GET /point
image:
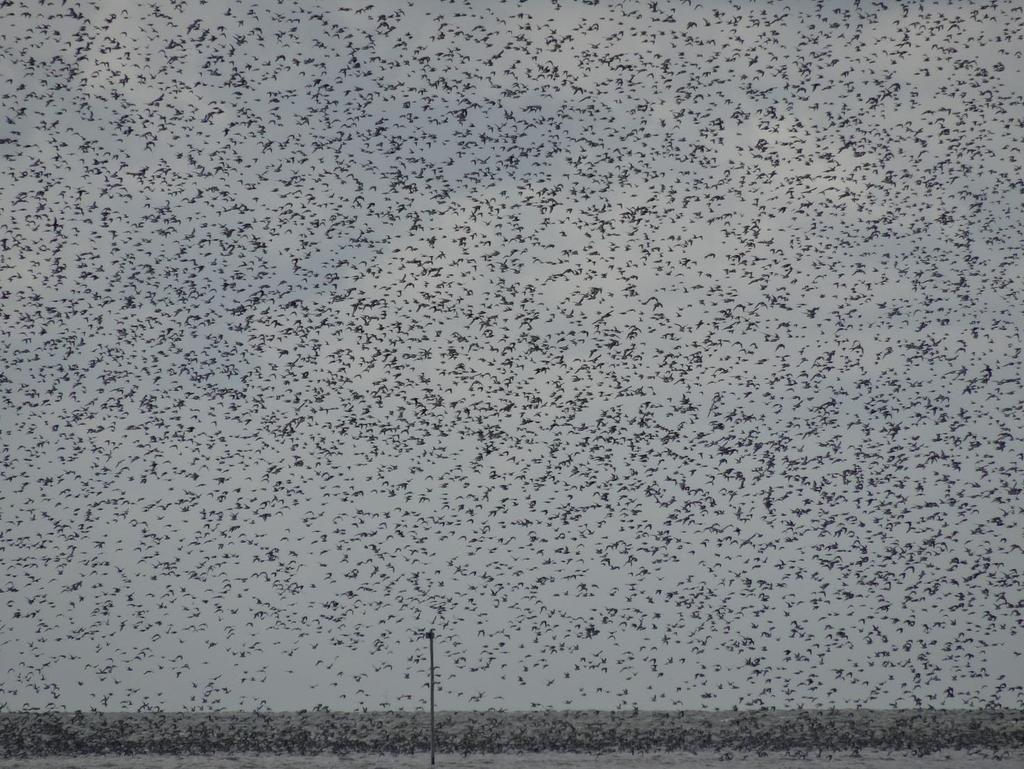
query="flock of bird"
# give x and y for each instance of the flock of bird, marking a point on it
(655, 354)
(995, 735)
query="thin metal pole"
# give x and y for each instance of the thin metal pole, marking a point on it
(430, 635)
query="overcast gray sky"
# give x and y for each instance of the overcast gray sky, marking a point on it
(653, 353)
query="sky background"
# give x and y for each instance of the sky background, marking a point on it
(654, 354)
